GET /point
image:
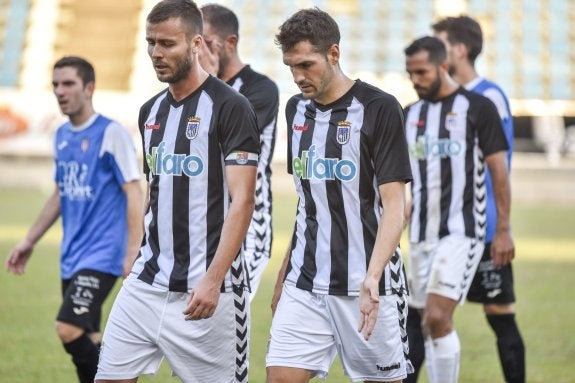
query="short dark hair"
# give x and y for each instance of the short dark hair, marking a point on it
(432, 45)
(83, 67)
(224, 20)
(313, 25)
(465, 30)
(186, 10)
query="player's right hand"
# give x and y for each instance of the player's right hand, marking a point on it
(16, 261)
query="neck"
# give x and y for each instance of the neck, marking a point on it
(448, 87)
(82, 117)
(465, 73)
(183, 88)
(340, 85)
(233, 68)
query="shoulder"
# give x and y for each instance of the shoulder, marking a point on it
(148, 104)
(257, 82)
(372, 97)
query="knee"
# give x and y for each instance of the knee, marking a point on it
(68, 332)
(437, 323)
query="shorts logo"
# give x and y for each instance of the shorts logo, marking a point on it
(391, 367)
(80, 310)
(343, 132)
(192, 127)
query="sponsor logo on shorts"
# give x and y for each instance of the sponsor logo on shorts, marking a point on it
(80, 310)
(444, 284)
(493, 293)
(391, 367)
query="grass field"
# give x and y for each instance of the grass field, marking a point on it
(545, 239)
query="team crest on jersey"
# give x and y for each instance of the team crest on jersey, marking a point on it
(192, 127)
(343, 132)
(84, 145)
(450, 121)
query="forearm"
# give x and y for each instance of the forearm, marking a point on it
(234, 230)
(48, 215)
(134, 216)
(389, 229)
(501, 190)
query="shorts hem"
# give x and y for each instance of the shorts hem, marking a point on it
(315, 370)
(377, 378)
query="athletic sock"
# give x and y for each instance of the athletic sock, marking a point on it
(510, 347)
(430, 360)
(416, 344)
(446, 351)
(85, 357)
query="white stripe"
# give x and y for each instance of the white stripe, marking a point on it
(146, 251)
(433, 174)
(197, 192)
(166, 201)
(319, 193)
(458, 132)
(351, 203)
(411, 123)
(299, 250)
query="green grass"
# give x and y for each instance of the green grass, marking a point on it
(545, 264)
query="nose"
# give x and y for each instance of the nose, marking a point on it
(154, 51)
(298, 75)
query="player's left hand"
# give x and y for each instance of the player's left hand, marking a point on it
(203, 300)
(368, 306)
(502, 248)
(208, 57)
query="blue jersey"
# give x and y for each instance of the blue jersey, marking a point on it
(92, 162)
(495, 94)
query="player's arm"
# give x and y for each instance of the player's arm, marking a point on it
(134, 217)
(386, 241)
(502, 247)
(280, 281)
(16, 261)
(241, 185)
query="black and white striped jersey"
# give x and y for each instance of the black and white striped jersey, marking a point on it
(448, 142)
(263, 94)
(187, 145)
(338, 154)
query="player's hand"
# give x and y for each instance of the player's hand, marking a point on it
(208, 57)
(368, 306)
(16, 261)
(203, 300)
(502, 248)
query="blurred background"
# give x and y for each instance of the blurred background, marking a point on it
(529, 50)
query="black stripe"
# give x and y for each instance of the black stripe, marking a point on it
(181, 207)
(421, 128)
(151, 267)
(468, 191)
(339, 241)
(309, 267)
(215, 193)
(446, 176)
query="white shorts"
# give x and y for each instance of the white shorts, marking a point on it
(445, 267)
(308, 330)
(147, 324)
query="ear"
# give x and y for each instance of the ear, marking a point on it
(89, 87)
(232, 40)
(333, 54)
(459, 50)
(196, 43)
